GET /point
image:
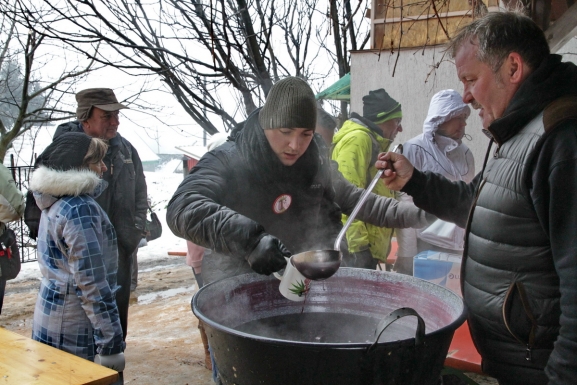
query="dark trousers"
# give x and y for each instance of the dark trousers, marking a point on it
(2, 289)
(123, 278)
(134, 269)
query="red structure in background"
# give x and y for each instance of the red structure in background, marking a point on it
(188, 163)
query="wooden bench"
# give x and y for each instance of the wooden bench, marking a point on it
(25, 361)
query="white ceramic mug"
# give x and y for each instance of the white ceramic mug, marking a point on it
(293, 285)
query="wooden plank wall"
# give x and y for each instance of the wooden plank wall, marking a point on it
(418, 23)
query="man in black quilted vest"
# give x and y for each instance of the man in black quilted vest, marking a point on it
(519, 270)
(124, 200)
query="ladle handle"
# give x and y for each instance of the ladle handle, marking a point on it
(398, 149)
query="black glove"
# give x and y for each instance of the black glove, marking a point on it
(268, 255)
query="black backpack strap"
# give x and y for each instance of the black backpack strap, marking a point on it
(32, 215)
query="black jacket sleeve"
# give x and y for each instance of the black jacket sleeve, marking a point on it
(447, 200)
(553, 185)
(377, 210)
(194, 212)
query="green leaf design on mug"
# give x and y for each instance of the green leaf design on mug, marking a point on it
(299, 288)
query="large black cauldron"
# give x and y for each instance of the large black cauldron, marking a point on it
(252, 330)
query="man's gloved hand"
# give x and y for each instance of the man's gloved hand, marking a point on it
(113, 361)
(268, 255)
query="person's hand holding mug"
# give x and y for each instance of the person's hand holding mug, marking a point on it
(398, 169)
(268, 256)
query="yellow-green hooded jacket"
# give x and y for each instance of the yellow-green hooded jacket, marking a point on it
(355, 147)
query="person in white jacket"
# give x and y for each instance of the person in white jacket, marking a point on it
(438, 149)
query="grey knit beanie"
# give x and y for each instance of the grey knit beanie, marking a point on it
(378, 107)
(290, 104)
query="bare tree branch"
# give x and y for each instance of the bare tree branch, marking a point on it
(209, 53)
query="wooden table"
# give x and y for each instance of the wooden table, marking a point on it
(25, 361)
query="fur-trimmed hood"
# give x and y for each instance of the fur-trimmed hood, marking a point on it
(49, 185)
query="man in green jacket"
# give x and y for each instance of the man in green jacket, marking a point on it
(356, 146)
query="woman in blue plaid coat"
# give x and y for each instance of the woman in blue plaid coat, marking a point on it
(76, 309)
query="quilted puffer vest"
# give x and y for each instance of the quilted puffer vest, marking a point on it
(510, 284)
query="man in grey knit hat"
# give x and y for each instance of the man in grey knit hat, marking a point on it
(271, 188)
(270, 165)
(269, 192)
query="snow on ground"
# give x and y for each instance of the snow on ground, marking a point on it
(161, 185)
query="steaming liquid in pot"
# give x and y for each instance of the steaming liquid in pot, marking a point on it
(324, 328)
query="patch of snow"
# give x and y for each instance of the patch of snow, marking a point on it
(161, 185)
(171, 166)
(147, 298)
(144, 151)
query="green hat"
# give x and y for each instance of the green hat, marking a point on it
(102, 98)
(290, 104)
(378, 107)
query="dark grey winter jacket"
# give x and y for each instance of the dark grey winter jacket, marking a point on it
(520, 260)
(240, 191)
(124, 201)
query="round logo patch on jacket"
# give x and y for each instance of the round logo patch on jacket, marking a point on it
(282, 203)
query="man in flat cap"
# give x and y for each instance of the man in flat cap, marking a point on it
(356, 146)
(125, 198)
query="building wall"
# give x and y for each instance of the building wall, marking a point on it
(414, 82)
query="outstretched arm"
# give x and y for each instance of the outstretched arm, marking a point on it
(378, 210)
(449, 201)
(196, 214)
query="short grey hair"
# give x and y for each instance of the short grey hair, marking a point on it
(497, 34)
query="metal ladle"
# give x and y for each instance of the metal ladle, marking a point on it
(322, 264)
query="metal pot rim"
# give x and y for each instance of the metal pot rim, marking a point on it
(342, 345)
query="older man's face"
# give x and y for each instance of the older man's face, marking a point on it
(101, 124)
(391, 128)
(454, 128)
(484, 89)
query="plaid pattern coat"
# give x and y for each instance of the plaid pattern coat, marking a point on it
(77, 251)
